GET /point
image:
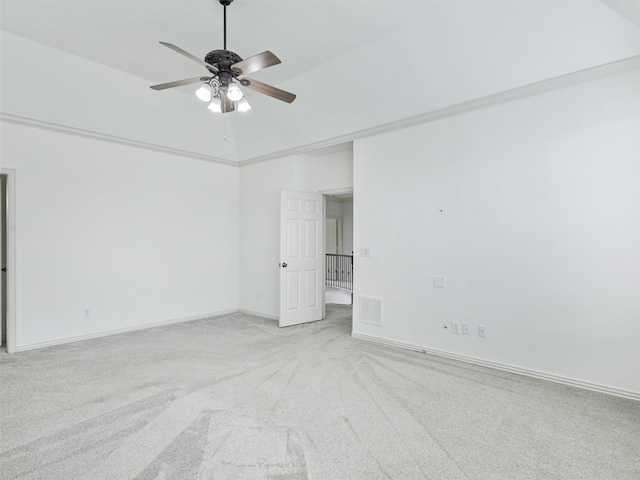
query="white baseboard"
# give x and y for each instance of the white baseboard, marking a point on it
(260, 314)
(108, 333)
(504, 367)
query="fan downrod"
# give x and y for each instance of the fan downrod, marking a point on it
(225, 4)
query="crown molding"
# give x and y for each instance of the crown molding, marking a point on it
(78, 132)
(537, 88)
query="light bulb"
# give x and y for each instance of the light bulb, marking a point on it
(204, 92)
(215, 105)
(243, 105)
(233, 92)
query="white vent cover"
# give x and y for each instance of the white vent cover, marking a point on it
(371, 310)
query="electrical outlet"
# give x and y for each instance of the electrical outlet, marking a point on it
(482, 331)
(86, 312)
(455, 328)
(466, 328)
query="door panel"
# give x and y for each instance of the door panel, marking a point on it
(293, 234)
(311, 236)
(293, 285)
(311, 283)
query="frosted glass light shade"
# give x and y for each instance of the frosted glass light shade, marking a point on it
(243, 105)
(233, 92)
(204, 92)
(215, 105)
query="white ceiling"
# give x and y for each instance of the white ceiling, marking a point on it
(124, 34)
(354, 64)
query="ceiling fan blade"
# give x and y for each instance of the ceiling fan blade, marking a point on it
(257, 62)
(188, 55)
(179, 83)
(225, 104)
(268, 90)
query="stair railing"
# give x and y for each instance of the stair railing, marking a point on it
(340, 271)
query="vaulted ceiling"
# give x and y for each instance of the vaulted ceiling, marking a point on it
(354, 64)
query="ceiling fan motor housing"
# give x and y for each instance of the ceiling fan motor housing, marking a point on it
(223, 59)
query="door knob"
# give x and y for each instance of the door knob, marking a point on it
(283, 265)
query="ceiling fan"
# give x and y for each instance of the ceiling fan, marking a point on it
(226, 69)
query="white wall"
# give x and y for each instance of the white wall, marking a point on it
(137, 236)
(539, 236)
(260, 186)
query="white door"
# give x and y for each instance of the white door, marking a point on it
(2, 275)
(301, 258)
(3, 235)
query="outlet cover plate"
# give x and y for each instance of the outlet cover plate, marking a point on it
(482, 331)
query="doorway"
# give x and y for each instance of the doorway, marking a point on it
(339, 248)
(303, 254)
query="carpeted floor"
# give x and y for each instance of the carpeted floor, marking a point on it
(235, 397)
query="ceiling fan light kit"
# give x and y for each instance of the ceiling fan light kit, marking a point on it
(226, 70)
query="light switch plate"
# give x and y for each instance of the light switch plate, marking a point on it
(439, 281)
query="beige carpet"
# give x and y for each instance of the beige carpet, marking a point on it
(235, 397)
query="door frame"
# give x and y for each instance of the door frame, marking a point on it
(10, 219)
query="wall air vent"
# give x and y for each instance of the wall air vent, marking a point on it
(371, 310)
